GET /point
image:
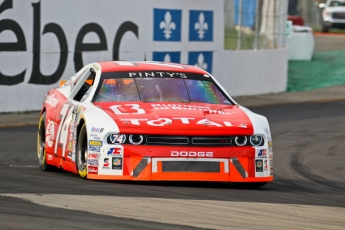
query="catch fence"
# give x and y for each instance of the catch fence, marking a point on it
(255, 24)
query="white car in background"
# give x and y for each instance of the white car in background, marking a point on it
(333, 15)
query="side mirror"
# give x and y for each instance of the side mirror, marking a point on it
(322, 5)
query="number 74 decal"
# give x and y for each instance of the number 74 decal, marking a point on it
(62, 132)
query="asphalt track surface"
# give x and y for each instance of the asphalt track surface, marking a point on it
(308, 191)
(329, 41)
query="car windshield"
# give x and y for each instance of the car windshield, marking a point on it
(336, 3)
(114, 87)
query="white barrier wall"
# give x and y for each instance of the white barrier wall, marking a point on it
(250, 72)
(45, 41)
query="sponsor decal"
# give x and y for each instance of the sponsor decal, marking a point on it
(92, 162)
(167, 25)
(106, 164)
(268, 136)
(262, 152)
(96, 130)
(116, 163)
(50, 133)
(265, 165)
(259, 166)
(51, 100)
(96, 149)
(200, 25)
(93, 156)
(116, 139)
(157, 74)
(49, 157)
(115, 151)
(95, 136)
(190, 154)
(92, 170)
(95, 143)
(183, 120)
(70, 144)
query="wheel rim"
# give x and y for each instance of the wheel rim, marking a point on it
(82, 153)
(41, 143)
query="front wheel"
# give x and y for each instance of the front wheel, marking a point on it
(41, 144)
(82, 152)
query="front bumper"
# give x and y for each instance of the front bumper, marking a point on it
(169, 163)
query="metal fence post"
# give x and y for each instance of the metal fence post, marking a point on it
(239, 35)
(256, 25)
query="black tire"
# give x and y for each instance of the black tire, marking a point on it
(41, 144)
(248, 185)
(82, 152)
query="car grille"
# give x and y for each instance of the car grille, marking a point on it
(338, 15)
(190, 166)
(185, 140)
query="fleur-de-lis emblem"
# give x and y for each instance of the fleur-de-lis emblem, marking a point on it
(201, 63)
(201, 26)
(168, 25)
(167, 58)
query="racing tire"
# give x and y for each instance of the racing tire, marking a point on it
(82, 152)
(41, 145)
(248, 185)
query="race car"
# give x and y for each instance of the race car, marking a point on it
(152, 121)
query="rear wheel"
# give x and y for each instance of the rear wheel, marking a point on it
(41, 145)
(82, 152)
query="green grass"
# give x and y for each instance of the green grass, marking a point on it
(230, 40)
(325, 69)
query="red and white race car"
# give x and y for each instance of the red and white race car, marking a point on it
(121, 120)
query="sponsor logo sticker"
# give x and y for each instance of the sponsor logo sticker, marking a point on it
(50, 133)
(106, 164)
(262, 152)
(259, 166)
(95, 143)
(93, 156)
(116, 163)
(115, 151)
(96, 149)
(92, 170)
(92, 162)
(50, 157)
(96, 130)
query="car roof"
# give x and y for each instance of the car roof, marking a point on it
(114, 66)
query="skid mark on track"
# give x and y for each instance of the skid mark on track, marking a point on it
(304, 171)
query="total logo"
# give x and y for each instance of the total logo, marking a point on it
(190, 154)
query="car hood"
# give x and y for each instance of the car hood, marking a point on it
(178, 118)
